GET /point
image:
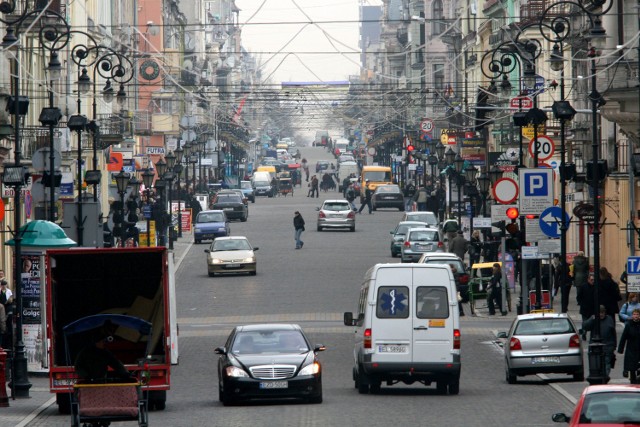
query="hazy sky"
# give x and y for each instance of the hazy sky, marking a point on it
(338, 39)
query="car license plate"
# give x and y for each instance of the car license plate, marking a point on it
(545, 359)
(227, 209)
(392, 349)
(389, 198)
(274, 384)
(233, 265)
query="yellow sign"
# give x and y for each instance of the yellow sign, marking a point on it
(527, 131)
(142, 237)
(436, 323)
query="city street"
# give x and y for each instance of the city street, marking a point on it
(313, 287)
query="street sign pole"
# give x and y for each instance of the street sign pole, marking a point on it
(503, 279)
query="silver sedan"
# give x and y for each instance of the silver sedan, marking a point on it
(336, 214)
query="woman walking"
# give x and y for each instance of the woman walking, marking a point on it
(298, 224)
(631, 340)
(627, 308)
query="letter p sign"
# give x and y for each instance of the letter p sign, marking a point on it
(536, 184)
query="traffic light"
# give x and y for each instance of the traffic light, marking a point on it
(410, 148)
(513, 214)
(501, 225)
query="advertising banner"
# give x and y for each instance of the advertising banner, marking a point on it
(32, 330)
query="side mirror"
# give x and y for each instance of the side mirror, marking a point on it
(255, 249)
(560, 417)
(319, 347)
(317, 209)
(348, 318)
(502, 334)
(207, 251)
(221, 350)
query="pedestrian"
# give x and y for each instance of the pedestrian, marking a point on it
(345, 185)
(351, 196)
(313, 187)
(631, 340)
(420, 197)
(608, 336)
(6, 296)
(475, 248)
(450, 228)
(409, 191)
(298, 225)
(609, 293)
(367, 198)
(494, 291)
(562, 283)
(580, 269)
(627, 308)
(459, 245)
(586, 297)
(463, 290)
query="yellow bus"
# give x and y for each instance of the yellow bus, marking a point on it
(377, 175)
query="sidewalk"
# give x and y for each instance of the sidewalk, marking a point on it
(22, 411)
(568, 388)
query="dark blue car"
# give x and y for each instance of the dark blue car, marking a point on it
(209, 225)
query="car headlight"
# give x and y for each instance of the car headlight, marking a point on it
(222, 229)
(234, 371)
(197, 230)
(216, 261)
(311, 369)
(250, 259)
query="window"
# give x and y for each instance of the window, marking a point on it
(392, 302)
(544, 327)
(438, 76)
(438, 25)
(432, 302)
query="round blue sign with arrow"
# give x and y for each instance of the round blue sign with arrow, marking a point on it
(550, 221)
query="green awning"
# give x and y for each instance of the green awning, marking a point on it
(43, 234)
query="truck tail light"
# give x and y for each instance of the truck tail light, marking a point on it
(367, 338)
(574, 341)
(514, 344)
(321, 215)
(456, 339)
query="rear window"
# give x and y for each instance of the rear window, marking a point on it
(387, 189)
(210, 217)
(228, 198)
(392, 302)
(424, 236)
(456, 263)
(549, 326)
(432, 302)
(429, 217)
(336, 207)
(611, 408)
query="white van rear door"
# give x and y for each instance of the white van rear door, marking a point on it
(433, 323)
(391, 328)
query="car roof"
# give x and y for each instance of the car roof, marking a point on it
(211, 211)
(420, 223)
(335, 201)
(232, 238)
(422, 229)
(441, 255)
(608, 388)
(269, 327)
(543, 315)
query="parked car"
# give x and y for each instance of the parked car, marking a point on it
(210, 225)
(387, 196)
(398, 233)
(232, 205)
(422, 216)
(542, 343)
(237, 191)
(346, 158)
(611, 405)
(336, 214)
(231, 254)
(269, 361)
(247, 190)
(449, 259)
(322, 165)
(418, 241)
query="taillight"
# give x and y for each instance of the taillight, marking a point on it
(351, 214)
(321, 215)
(456, 339)
(574, 341)
(407, 244)
(463, 279)
(367, 338)
(440, 244)
(514, 344)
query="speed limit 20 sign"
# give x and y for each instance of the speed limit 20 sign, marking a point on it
(426, 125)
(544, 146)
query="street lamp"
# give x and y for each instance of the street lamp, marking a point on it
(484, 186)
(187, 154)
(122, 180)
(459, 165)
(177, 168)
(169, 177)
(161, 167)
(147, 179)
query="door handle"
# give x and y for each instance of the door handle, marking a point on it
(420, 328)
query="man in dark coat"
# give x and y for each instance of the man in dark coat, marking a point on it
(607, 335)
(586, 297)
(580, 269)
(631, 340)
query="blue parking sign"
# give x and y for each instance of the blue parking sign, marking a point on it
(536, 190)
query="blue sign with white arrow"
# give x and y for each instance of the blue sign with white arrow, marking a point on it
(550, 221)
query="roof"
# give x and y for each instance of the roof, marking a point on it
(539, 315)
(231, 238)
(608, 388)
(269, 327)
(41, 233)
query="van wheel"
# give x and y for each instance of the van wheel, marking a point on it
(511, 377)
(441, 387)
(319, 228)
(361, 383)
(454, 387)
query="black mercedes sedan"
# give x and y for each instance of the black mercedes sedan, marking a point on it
(269, 361)
(387, 196)
(232, 205)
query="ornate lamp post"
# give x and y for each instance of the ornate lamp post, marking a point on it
(458, 164)
(147, 179)
(122, 181)
(169, 176)
(161, 167)
(484, 186)
(450, 156)
(187, 154)
(177, 169)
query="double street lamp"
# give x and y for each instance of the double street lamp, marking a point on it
(160, 184)
(169, 177)
(122, 181)
(147, 180)
(177, 169)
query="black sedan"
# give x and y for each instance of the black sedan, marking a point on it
(232, 205)
(387, 196)
(269, 361)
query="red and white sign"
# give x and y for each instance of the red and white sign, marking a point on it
(544, 146)
(505, 191)
(523, 102)
(426, 125)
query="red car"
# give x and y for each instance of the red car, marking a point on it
(605, 405)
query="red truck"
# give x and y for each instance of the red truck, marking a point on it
(133, 281)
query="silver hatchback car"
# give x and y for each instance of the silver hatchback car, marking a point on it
(417, 241)
(336, 214)
(542, 343)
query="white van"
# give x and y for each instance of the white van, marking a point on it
(345, 169)
(407, 328)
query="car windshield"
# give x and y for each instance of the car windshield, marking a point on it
(210, 217)
(269, 342)
(388, 189)
(616, 407)
(548, 326)
(228, 198)
(245, 184)
(424, 236)
(428, 217)
(231, 245)
(403, 228)
(378, 176)
(329, 206)
(456, 263)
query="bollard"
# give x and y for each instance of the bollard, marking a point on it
(4, 400)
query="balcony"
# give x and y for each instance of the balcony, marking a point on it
(165, 123)
(142, 123)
